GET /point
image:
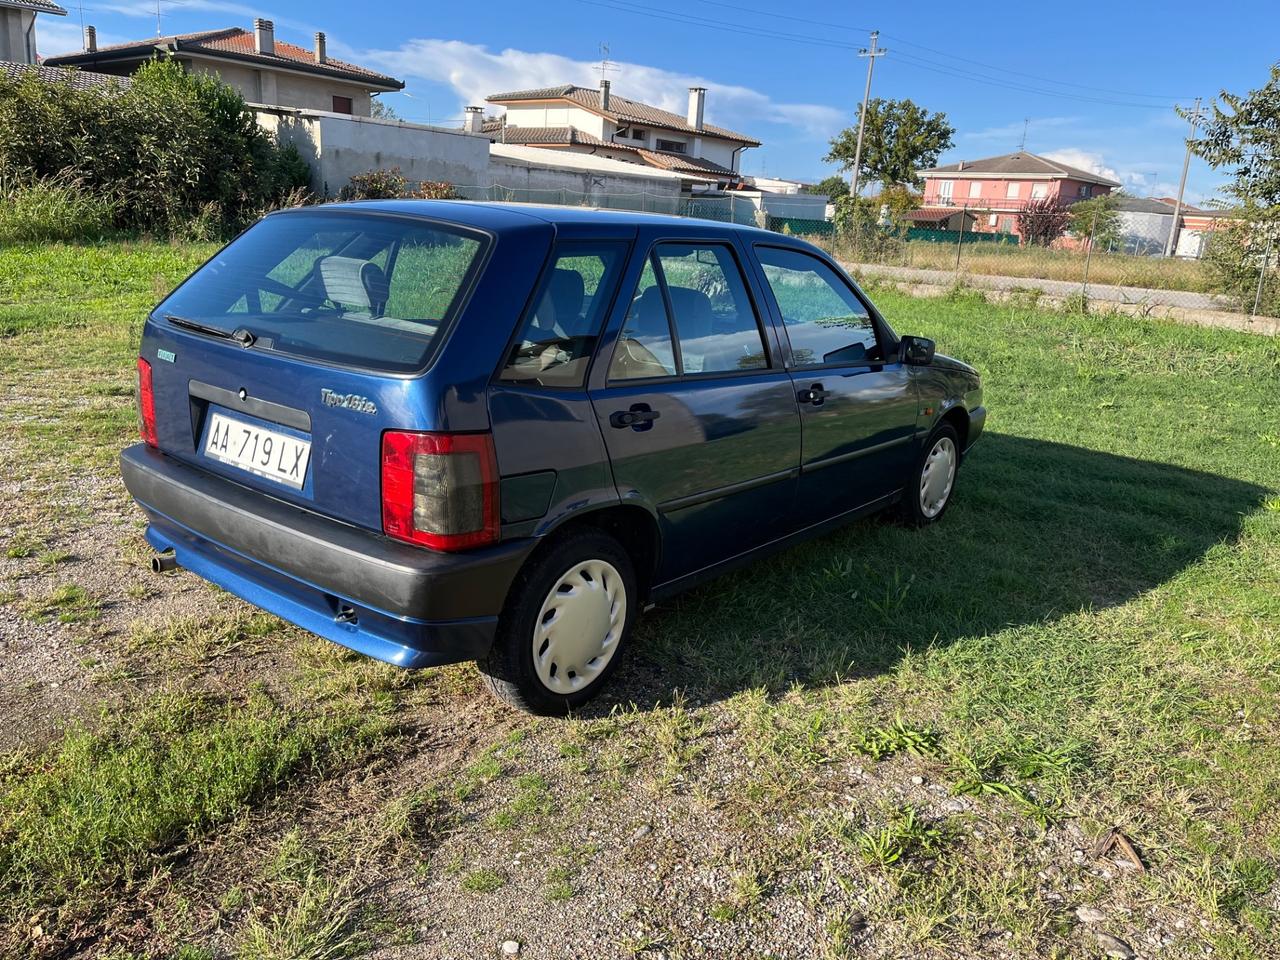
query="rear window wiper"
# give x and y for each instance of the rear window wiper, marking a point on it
(240, 335)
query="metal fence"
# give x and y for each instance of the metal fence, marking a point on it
(1074, 270)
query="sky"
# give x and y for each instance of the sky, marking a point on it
(1091, 84)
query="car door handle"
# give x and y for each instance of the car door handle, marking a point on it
(814, 394)
(638, 417)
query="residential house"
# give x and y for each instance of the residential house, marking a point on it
(263, 69)
(18, 28)
(599, 122)
(997, 188)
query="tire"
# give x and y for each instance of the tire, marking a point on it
(928, 492)
(584, 583)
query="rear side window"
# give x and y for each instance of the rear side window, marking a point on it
(558, 335)
(690, 314)
(363, 291)
(824, 319)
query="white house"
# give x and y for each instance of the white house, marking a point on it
(599, 122)
(18, 28)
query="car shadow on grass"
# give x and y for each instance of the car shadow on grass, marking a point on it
(1037, 531)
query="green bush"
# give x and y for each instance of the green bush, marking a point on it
(169, 148)
(390, 184)
(51, 210)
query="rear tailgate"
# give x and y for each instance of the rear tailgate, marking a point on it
(281, 362)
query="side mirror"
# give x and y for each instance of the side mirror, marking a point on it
(917, 351)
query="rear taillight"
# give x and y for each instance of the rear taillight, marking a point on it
(146, 405)
(440, 490)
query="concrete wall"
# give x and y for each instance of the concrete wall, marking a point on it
(17, 35)
(541, 182)
(338, 147)
(282, 87)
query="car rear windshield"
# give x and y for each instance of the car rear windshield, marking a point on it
(359, 290)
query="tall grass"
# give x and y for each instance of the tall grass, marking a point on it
(53, 209)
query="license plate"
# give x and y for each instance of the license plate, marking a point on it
(266, 453)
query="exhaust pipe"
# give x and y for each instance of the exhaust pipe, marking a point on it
(164, 562)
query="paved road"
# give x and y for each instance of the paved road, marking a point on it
(1054, 288)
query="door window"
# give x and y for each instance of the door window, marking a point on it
(558, 336)
(715, 321)
(645, 348)
(825, 321)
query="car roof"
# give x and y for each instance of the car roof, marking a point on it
(495, 215)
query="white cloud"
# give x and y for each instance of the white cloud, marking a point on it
(474, 72)
(1011, 133)
(1084, 159)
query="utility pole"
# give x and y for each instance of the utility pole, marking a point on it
(871, 54)
(1171, 244)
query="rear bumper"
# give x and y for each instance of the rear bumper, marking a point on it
(402, 604)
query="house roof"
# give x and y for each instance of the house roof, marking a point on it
(1020, 164)
(232, 43)
(621, 110)
(39, 6)
(572, 136)
(1165, 205)
(935, 214)
(79, 79)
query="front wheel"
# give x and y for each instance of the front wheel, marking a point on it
(565, 623)
(933, 479)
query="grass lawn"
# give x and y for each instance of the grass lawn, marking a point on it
(883, 743)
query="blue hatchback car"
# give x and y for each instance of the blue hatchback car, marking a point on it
(439, 431)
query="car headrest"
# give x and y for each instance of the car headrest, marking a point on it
(648, 316)
(693, 312)
(567, 292)
(355, 284)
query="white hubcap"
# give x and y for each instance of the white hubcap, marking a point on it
(937, 478)
(579, 626)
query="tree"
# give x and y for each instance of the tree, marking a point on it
(1243, 135)
(1098, 217)
(380, 110)
(900, 139)
(1043, 221)
(834, 187)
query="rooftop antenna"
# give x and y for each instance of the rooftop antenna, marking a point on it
(1026, 122)
(606, 66)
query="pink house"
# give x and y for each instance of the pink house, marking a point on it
(996, 188)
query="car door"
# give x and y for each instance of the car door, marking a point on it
(699, 417)
(858, 402)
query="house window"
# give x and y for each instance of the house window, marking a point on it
(1012, 191)
(992, 220)
(975, 188)
(672, 146)
(341, 104)
(945, 190)
(1039, 191)
(638, 134)
(1084, 189)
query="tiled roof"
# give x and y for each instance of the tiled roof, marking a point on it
(234, 43)
(934, 214)
(1021, 164)
(79, 79)
(572, 136)
(621, 110)
(39, 6)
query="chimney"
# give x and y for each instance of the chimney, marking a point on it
(321, 54)
(475, 120)
(90, 39)
(697, 103)
(604, 94)
(264, 36)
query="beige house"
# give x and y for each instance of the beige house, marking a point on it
(263, 69)
(599, 122)
(18, 28)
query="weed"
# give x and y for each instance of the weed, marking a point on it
(483, 881)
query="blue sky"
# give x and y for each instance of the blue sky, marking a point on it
(1097, 82)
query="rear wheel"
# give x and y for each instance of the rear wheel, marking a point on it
(565, 623)
(933, 480)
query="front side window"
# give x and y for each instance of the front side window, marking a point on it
(715, 321)
(350, 289)
(825, 321)
(558, 336)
